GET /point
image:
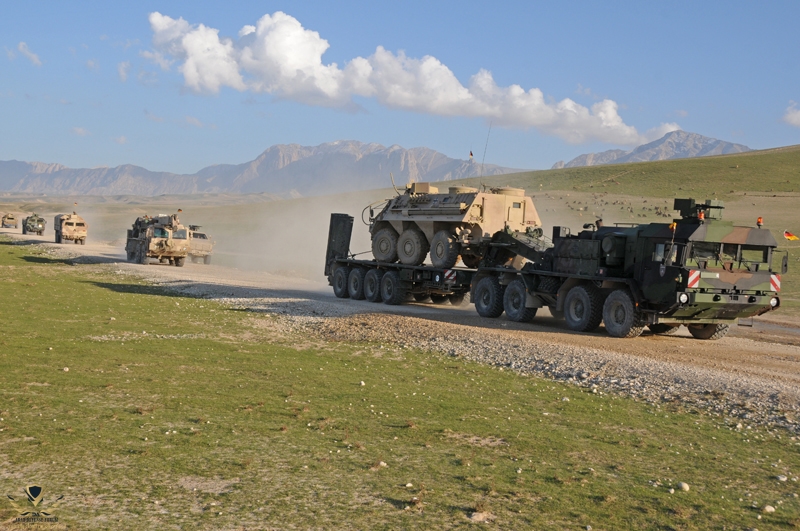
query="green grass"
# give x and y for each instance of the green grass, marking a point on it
(181, 413)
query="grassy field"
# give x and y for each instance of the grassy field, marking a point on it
(180, 413)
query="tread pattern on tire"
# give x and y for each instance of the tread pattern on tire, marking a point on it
(372, 285)
(710, 332)
(514, 300)
(415, 240)
(593, 301)
(488, 297)
(633, 324)
(449, 247)
(663, 329)
(339, 282)
(385, 237)
(439, 299)
(392, 290)
(355, 283)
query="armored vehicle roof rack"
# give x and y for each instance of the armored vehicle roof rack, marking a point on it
(689, 209)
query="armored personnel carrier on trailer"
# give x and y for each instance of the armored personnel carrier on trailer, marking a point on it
(200, 246)
(70, 227)
(10, 220)
(162, 237)
(33, 224)
(459, 223)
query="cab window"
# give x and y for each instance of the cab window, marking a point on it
(180, 234)
(159, 232)
(755, 254)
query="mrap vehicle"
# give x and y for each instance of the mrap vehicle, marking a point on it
(698, 271)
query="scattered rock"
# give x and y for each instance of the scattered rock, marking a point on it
(769, 509)
(683, 486)
(481, 517)
(66, 369)
(782, 478)
(672, 491)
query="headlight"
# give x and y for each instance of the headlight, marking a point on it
(684, 298)
(773, 301)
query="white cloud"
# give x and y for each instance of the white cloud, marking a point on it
(9, 53)
(792, 116)
(279, 56)
(91, 64)
(152, 117)
(32, 57)
(120, 140)
(122, 70)
(191, 120)
(682, 113)
(80, 131)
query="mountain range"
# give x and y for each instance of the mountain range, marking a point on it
(286, 170)
(673, 145)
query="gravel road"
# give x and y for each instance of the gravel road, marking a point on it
(750, 378)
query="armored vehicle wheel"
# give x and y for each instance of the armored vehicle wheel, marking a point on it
(514, 303)
(620, 315)
(83, 241)
(58, 237)
(583, 309)
(180, 261)
(412, 247)
(488, 296)
(207, 259)
(392, 289)
(663, 329)
(549, 284)
(444, 249)
(421, 297)
(439, 299)
(384, 245)
(76, 242)
(471, 261)
(23, 229)
(456, 299)
(355, 283)
(131, 256)
(372, 285)
(339, 281)
(709, 331)
(141, 256)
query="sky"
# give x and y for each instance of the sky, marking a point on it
(178, 86)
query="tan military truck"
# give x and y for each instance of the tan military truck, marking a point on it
(70, 227)
(200, 246)
(460, 222)
(10, 220)
(162, 237)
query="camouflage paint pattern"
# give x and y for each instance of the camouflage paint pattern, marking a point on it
(160, 236)
(34, 224)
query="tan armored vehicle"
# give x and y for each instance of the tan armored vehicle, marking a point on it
(33, 224)
(161, 237)
(70, 227)
(460, 222)
(10, 220)
(200, 247)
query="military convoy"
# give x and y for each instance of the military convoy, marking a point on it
(200, 246)
(162, 237)
(70, 227)
(9, 220)
(698, 271)
(33, 224)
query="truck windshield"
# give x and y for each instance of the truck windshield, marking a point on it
(722, 254)
(180, 234)
(158, 232)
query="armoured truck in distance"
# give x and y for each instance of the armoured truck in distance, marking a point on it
(698, 271)
(162, 237)
(70, 227)
(460, 222)
(33, 224)
(9, 221)
(200, 246)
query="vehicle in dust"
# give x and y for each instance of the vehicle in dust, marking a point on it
(161, 237)
(33, 224)
(459, 223)
(9, 221)
(200, 246)
(70, 227)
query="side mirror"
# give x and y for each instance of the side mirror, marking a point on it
(785, 264)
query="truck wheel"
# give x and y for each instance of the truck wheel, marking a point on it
(456, 299)
(488, 297)
(412, 247)
(340, 278)
(438, 299)
(583, 309)
(549, 284)
(180, 261)
(372, 285)
(23, 228)
(384, 245)
(709, 331)
(471, 261)
(207, 259)
(444, 249)
(663, 329)
(620, 315)
(58, 237)
(355, 283)
(514, 303)
(83, 241)
(421, 297)
(130, 256)
(392, 290)
(141, 256)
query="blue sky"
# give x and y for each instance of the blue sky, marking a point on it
(177, 86)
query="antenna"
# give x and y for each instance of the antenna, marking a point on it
(393, 185)
(480, 177)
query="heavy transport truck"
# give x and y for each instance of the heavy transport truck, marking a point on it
(70, 227)
(698, 271)
(162, 237)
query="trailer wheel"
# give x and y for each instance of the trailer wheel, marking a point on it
(488, 296)
(412, 247)
(514, 303)
(180, 261)
(439, 299)
(207, 259)
(355, 283)
(372, 285)
(709, 331)
(392, 290)
(471, 261)
(663, 329)
(583, 309)
(384, 245)
(620, 315)
(456, 299)
(421, 297)
(444, 249)
(340, 277)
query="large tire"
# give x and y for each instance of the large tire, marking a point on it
(83, 241)
(421, 297)
(23, 229)
(620, 315)
(488, 297)
(456, 299)
(549, 284)
(372, 285)
(340, 281)
(412, 247)
(384, 245)
(58, 237)
(663, 329)
(471, 261)
(439, 299)
(583, 308)
(180, 261)
(709, 331)
(392, 290)
(141, 256)
(355, 283)
(207, 259)
(514, 301)
(444, 249)
(131, 255)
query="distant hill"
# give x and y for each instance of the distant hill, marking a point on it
(673, 145)
(286, 170)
